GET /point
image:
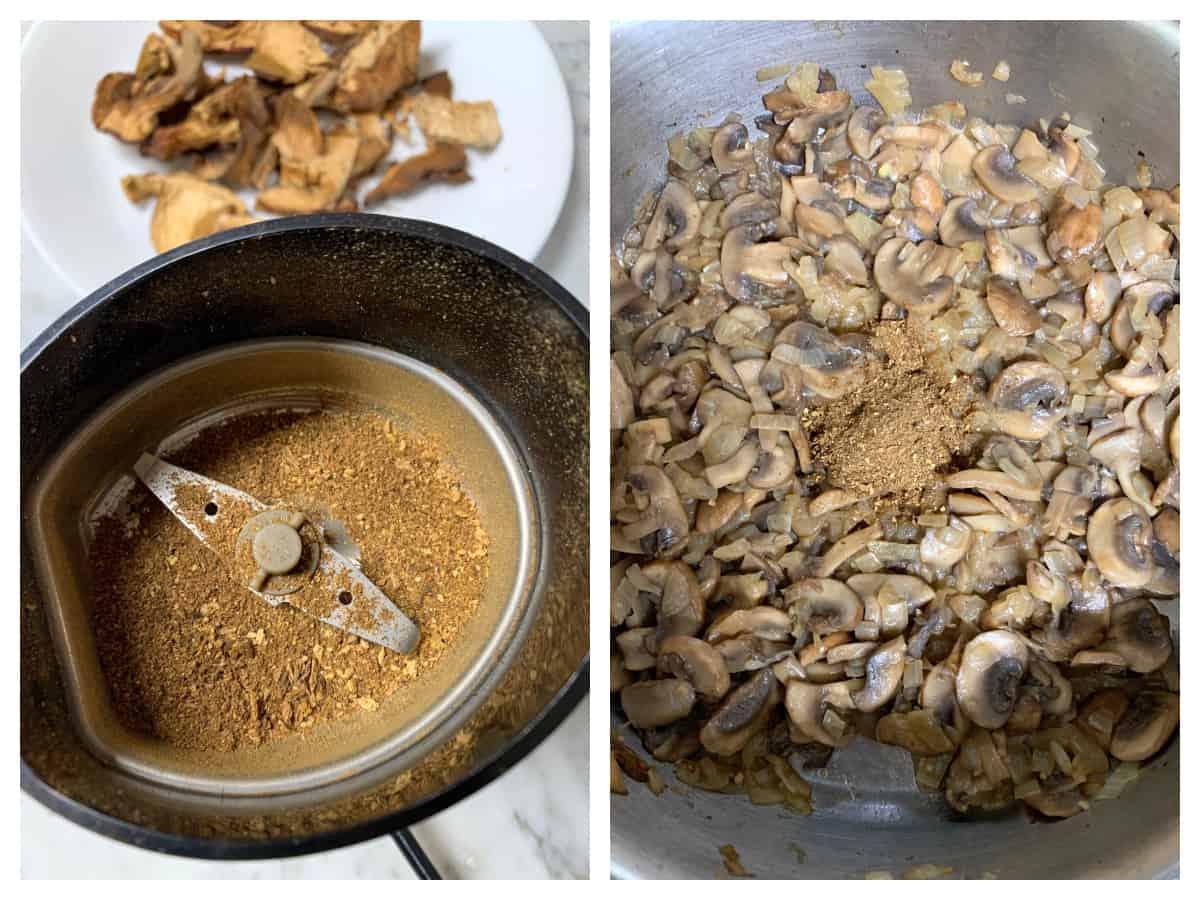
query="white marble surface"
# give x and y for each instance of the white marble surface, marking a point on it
(533, 821)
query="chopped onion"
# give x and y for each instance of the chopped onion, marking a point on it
(770, 73)
(1120, 778)
(890, 88)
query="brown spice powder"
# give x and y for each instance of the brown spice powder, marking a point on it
(195, 659)
(895, 433)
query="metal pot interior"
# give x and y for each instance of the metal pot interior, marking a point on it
(417, 322)
(1120, 79)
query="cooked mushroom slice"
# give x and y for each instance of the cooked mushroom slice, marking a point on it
(992, 667)
(1012, 312)
(744, 713)
(736, 468)
(996, 170)
(939, 695)
(1057, 804)
(732, 149)
(663, 527)
(1119, 538)
(978, 779)
(765, 622)
(1140, 634)
(1080, 622)
(1027, 399)
(829, 365)
(750, 270)
(774, 468)
(864, 123)
(1098, 717)
(621, 411)
(1052, 690)
(823, 605)
(676, 219)
(963, 221)
(1146, 726)
(635, 646)
(680, 606)
(804, 703)
(649, 704)
(989, 480)
(805, 116)
(1075, 232)
(945, 546)
(884, 670)
(697, 662)
(917, 276)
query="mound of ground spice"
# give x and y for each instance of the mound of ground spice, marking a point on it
(896, 432)
(195, 659)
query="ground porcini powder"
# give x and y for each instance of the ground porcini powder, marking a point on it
(895, 433)
(194, 658)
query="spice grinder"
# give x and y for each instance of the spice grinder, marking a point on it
(1121, 81)
(427, 325)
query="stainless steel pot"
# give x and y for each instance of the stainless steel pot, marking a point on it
(402, 314)
(1120, 79)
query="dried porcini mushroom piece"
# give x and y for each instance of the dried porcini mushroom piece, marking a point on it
(187, 209)
(258, 131)
(443, 120)
(286, 52)
(382, 62)
(129, 108)
(314, 167)
(997, 623)
(441, 163)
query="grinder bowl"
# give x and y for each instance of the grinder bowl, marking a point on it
(355, 304)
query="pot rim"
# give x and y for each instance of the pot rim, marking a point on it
(551, 716)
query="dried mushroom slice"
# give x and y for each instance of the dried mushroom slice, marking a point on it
(129, 108)
(187, 209)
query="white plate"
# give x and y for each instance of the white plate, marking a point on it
(75, 214)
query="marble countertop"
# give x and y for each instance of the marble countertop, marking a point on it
(530, 823)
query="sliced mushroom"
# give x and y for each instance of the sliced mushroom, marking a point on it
(697, 662)
(635, 646)
(744, 713)
(1027, 399)
(823, 605)
(764, 622)
(917, 276)
(676, 219)
(861, 129)
(680, 606)
(963, 222)
(751, 270)
(1119, 537)
(992, 668)
(732, 150)
(805, 710)
(650, 704)
(884, 671)
(1098, 717)
(1012, 312)
(945, 546)
(663, 527)
(1140, 634)
(996, 170)
(1146, 726)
